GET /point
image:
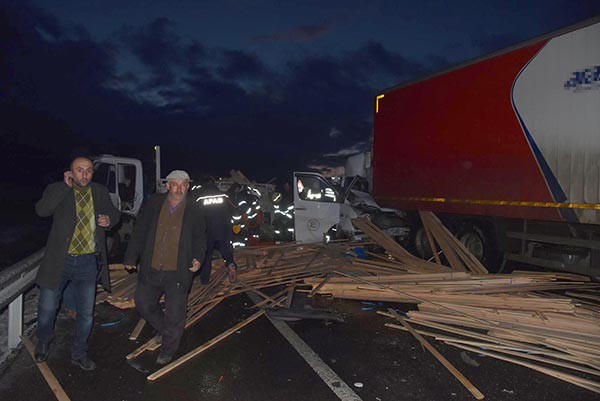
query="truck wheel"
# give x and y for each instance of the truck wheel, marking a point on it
(422, 245)
(474, 240)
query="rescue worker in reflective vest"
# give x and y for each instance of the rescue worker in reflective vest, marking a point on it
(283, 222)
(247, 215)
(238, 226)
(217, 211)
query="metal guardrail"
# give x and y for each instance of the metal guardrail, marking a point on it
(14, 282)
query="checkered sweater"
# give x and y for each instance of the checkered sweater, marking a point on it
(83, 240)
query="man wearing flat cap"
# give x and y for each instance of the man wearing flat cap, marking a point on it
(168, 244)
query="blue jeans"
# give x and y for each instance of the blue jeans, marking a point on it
(68, 298)
(81, 272)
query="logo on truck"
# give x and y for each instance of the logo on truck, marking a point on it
(586, 79)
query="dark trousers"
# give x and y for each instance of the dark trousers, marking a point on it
(170, 322)
(80, 273)
(225, 249)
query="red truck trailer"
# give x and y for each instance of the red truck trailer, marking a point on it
(506, 147)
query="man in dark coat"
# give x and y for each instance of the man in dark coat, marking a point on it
(75, 253)
(217, 211)
(169, 241)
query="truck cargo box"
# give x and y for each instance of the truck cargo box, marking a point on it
(515, 134)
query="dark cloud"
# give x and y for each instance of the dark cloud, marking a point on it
(374, 57)
(339, 91)
(303, 33)
(214, 108)
(217, 96)
(121, 80)
(195, 55)
(44, 23)
(51, 75)
(325, 86)
(69, 79)
(241, 65)
(158, 46)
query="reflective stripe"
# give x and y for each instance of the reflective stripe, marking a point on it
(564, 205)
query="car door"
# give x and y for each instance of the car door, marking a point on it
(316, 205)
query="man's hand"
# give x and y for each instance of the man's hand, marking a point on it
(103, 220)
(195, 266)
(68, 178)
(130, 268)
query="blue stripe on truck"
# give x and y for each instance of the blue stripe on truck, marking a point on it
(557, 192)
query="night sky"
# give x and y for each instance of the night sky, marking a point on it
(266, 87)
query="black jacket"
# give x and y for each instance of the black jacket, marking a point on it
(217, 215)
(192, 241)
(58, 201)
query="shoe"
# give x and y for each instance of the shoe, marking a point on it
(42, 350)
(84, 363)
(164, 358)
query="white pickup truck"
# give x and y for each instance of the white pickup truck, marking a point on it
(323, 209)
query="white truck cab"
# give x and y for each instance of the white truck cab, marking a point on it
(324, 210)
(317, 205)
(124, 179)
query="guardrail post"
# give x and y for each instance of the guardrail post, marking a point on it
(15, 322)
(14, 282)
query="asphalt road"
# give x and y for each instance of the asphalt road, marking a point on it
(368, 361)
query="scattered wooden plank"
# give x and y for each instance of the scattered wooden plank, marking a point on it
(138, 351)
(578, 381)
(319, 286)
(455, 372)
(137, 330)
(192, 354)
(270, 299)
(393, 248)
(290, 296)
(52, 381)
(436, 254)
(511, 315)
(457, 254)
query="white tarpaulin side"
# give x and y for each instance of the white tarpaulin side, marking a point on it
(557, 100)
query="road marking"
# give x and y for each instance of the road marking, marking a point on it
(333, 381)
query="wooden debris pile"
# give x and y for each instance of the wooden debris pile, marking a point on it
(514, 317)
(490, 290)
(123, 285)
(258, 268)
(508, 317)
(546, 332)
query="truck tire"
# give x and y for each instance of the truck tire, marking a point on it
(474, 235)
(473, 239)
(480, 239)
(421, 244)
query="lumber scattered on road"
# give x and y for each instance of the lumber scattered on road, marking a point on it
(45, 370)
(549, 322)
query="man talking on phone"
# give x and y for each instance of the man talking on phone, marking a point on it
(75, 253)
